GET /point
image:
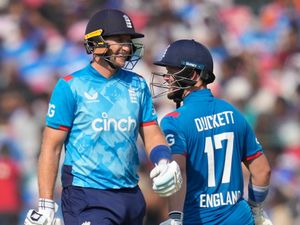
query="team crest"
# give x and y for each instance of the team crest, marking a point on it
(127, 20)
(86, 223)
(132, 95)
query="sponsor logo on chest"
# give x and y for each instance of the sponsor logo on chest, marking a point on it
(91, 96)
(104, 123)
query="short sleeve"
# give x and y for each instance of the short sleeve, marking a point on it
(148, 112)
(174, 136)
(252, 147)
(61, 107)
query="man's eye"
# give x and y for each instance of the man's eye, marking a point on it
(126, 42)
(122, 41)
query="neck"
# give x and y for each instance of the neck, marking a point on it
(194, 88)
(104, 68)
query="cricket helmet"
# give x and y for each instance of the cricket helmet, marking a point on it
(187, 55)
(111, 22)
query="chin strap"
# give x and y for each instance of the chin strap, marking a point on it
(105, 57)
(176, 96)
(178, 102)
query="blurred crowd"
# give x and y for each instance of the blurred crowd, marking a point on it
(256, 50)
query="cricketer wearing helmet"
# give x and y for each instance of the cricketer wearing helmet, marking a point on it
(97, 114)
(210, 139)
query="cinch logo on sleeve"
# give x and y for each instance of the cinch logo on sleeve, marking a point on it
(51, 110)
(107, 124)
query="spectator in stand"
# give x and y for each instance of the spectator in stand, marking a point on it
(10, 179)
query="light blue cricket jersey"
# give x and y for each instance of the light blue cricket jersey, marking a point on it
(215, 138)
(103, 117)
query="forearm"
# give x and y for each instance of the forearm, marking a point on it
(152, 137)
(260, 171)
(176, 202)
(260, 178)
(47, 172)
(48, 164)
(49, 161)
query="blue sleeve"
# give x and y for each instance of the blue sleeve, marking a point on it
(61, 107)
(251, 144)
(174, 136)
(148, 111)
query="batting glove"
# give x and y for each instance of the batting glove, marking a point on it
(44, 215)
(260, 216)
(166, 178)
(175, 218)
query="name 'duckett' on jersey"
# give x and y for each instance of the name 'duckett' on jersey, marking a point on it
(214, 121)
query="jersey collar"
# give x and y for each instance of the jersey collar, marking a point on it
(98, 75)
(199, 95)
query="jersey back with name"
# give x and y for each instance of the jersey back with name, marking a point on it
(215, 138)
(102, 117)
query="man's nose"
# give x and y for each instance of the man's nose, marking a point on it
(127, 46)
(167, 77)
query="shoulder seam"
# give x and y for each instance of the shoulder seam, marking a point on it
(68, 78)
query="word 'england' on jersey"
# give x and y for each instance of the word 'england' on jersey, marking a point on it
(219, 199)
(214, 121)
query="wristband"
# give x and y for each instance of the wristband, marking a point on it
(257, 194)
(160, 152)
(46, 203)
(176, 215)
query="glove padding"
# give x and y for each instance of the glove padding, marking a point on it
(166, 178)
(45, 214)
(260, 216)
(175, 218)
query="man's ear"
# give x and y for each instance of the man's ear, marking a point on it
(195, 76)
